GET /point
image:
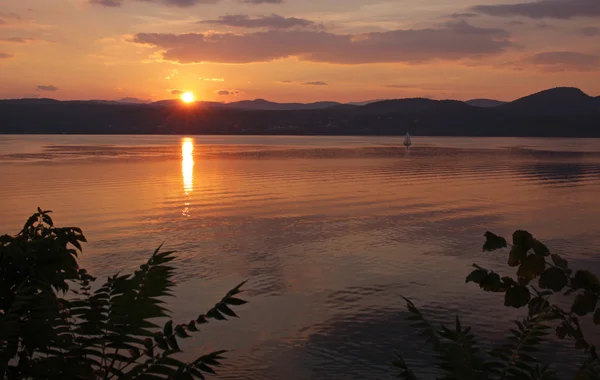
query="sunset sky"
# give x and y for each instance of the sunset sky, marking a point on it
(297, 50)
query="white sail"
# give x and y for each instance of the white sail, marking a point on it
(407, 141)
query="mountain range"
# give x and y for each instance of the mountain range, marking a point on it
(563, 111)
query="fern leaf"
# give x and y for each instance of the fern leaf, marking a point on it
(405, 372)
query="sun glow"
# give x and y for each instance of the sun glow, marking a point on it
(187, 97)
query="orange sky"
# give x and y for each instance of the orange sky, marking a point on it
(297, 50)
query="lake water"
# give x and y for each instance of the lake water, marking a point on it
(329, 231)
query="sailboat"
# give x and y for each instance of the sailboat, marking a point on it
(407, 141)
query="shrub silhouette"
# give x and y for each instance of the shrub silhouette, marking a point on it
(55, 324)
(459, 357)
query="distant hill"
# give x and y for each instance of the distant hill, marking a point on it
(130, 100)
(30, 101)
(364, 103)
(560, 100)
(558, 112)
(412, 105)
(265, 105)
(486, 103)
(256, 105)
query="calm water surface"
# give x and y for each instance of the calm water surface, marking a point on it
(329, 231)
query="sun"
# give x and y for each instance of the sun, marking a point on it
(187, 97)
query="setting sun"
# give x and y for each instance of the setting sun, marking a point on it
(187, 97)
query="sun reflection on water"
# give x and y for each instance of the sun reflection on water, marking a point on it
(187, 170)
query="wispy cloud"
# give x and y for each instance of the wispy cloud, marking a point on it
(176, 3)
(559, 9)
(175, 91)
(107, 3)
(401, 86)
(18, 40)
(315, 83)
(212, 79)
(452, 41)
(46, 88)
(590, 31)
(464, 15)
(227, 92)
(261, 1)
(6, 17)
(544, 25)
(5, 56)
(271, 22)
(172, 74)
(565, 61)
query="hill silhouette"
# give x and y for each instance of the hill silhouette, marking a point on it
(484, 102)
(412, 105)
(560, 100)
(265, 105)
(554, 112)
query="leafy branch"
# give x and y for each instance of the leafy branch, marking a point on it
(107, 333)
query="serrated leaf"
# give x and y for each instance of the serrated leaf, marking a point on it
(172, 341)
(491, 283)
(517, 296)
(201, 319)
(180, 332)
(559, 261)
(585, 280)
(191, 326)
(584, 303)
(493, 242)
(540, 249)
(223, 308)
(235, 301)
(205, 368)
(168, 329)
(531, 267)
(523, 239)
(160, 341)
(516, 255)
(214, 313)
(476, 276)
(553, 278)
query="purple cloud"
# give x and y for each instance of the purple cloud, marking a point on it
(227, 92)
(18, 40)
(560, 9)
(543, 25)
(463, 15)
(565, 61)
(590, 31)
(452, 41)
(9, 18)
(272, 22)
(315, 83)
(176, 3)
(261, 1)
(5, 55)
(107, 3)
(48, 88)
(176, 92)
(401, 86)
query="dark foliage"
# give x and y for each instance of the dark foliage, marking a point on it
(540, 276)
(56, 323)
